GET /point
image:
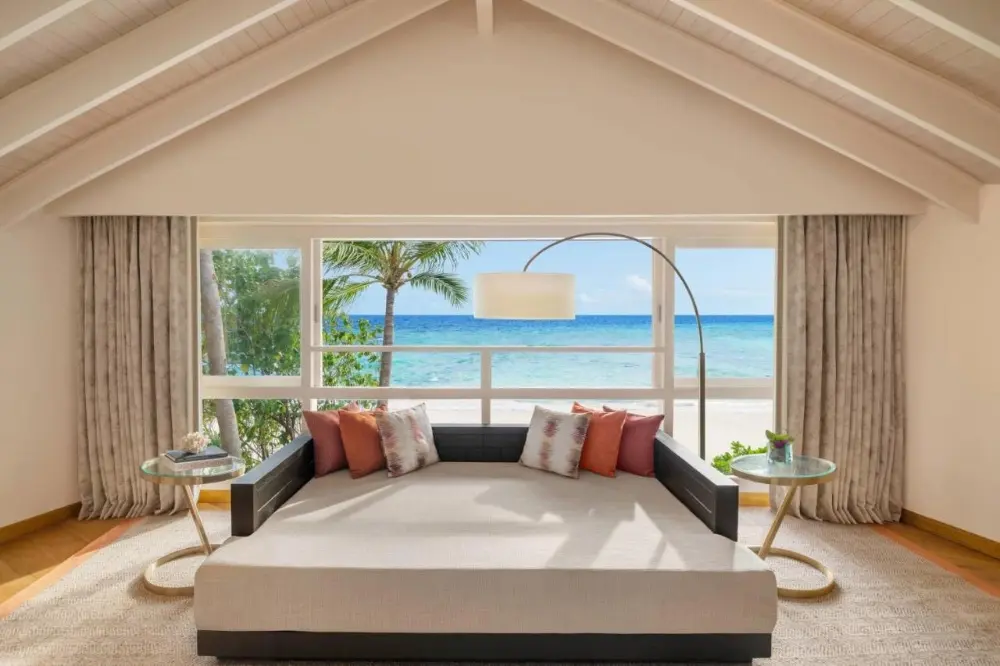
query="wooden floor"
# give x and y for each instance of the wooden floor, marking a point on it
(971, 564)
(26, 560)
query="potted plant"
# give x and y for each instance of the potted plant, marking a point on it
(779, 447)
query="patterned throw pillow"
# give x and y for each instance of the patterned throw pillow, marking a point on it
(407, 439)
(555, 442)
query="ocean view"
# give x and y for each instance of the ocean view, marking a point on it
(735, 346)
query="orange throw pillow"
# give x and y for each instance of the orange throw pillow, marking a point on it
(604, 437)
(362, 444)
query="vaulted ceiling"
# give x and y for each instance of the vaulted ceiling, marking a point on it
(911, 88)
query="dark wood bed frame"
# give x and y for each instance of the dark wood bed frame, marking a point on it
(711, 496)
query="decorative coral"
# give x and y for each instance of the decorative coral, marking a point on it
(194, 442)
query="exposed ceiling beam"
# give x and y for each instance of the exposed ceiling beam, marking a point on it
(974, 21)
(19, 19)
(137, 56)
(771, 96)
(204, 100)
(953, 114)
(484, 16)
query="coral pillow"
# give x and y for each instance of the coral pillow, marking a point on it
(407, 439)
(362, 444)
(604, 438)
(328, 446)
(635, 455)
(555, 442)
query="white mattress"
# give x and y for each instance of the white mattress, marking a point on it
(485, 548)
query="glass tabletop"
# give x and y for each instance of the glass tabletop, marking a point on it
(802, 469)
(227, 468)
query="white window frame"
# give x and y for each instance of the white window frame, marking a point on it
(307, 235)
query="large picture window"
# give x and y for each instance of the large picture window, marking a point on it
(305, 318)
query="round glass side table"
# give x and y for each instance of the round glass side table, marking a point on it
(802, 471)
(154, 472)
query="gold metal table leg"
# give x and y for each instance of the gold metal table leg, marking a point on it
(205, 548)
(765, 550)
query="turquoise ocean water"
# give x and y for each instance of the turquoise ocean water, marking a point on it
(735, 346)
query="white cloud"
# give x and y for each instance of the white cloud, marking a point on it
(639, 283)
(587, 298)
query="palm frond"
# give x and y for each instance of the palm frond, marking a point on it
(447, 285)
(435, 255)
(363, 257)
(341, 291)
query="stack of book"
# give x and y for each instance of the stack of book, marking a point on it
(185, 461)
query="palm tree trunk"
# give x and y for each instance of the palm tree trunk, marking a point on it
(388, 334)
(215, 346)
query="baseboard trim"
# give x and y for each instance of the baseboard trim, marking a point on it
(755, 499)
(215, 496)
(951, 533)
(35, 523)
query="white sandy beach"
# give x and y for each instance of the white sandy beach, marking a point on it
(726, 420)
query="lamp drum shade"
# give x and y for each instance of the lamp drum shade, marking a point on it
(525, 295)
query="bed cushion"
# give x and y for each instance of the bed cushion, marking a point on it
(407, 439)
(635, 455)
(327, 443)
(485, 548)
(554, 442)
(604, 438)
(362, 444)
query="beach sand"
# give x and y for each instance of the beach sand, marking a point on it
(725, 420)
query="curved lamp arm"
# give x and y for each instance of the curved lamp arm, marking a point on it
(694, 305)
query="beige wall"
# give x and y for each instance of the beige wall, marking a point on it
(38, 361)
(540, 118)
(953, 368)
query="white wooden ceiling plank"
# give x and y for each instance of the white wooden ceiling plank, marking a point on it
(977, 22)
(863, 69)
(204, 100)
(783, 102)
(121, 64)
(20, 19)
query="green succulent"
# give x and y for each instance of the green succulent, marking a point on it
(778, 437)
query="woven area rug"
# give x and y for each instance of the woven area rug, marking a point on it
(892, 606)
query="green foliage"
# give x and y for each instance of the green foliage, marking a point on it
(260, 311)
(736, 449)
(778, 437)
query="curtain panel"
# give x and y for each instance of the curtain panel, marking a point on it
(135, 348)
(843, 361)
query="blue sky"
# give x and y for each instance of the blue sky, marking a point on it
(613, 277)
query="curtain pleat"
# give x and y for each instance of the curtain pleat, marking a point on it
(133, 358)
(844, 345)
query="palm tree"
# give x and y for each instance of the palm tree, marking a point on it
(357, 265)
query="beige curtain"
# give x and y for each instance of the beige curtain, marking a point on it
(135, 359)
(843, 344)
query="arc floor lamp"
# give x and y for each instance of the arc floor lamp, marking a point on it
(527, 295)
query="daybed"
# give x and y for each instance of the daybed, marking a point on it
(480, 558)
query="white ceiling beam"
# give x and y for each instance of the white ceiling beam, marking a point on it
(204, 100)
(771, 96)
(974, 21)
(484, 16)
(940, 107)
(19, 19)
(137, 56)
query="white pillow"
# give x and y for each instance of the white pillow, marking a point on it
(407, 439)
(555, 441)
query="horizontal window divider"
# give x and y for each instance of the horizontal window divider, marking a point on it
(476, 349)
